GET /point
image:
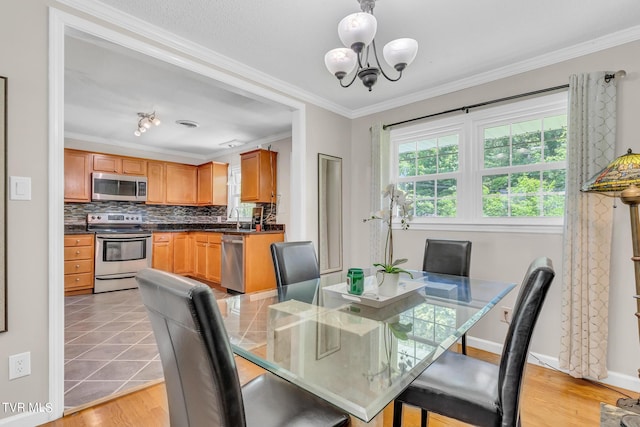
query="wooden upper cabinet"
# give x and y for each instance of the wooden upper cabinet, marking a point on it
(259, 176)
(181, 184)
(132, 166)
(77, 176)
(118, 164)
(212, 184)
(156, 188)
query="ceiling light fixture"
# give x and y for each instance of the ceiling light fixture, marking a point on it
(145, 120)
(357, 32)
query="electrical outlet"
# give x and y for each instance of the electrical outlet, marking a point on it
(19, 365)
(505, 316)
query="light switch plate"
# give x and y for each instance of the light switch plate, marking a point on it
(20, 188)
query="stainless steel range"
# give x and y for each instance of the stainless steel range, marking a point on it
(122, 249)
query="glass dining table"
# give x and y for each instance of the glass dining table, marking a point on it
(356, 351)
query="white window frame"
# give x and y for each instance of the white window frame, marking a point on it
(471, 164)
(233, 194)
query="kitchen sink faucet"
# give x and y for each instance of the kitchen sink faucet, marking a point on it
(237, 217)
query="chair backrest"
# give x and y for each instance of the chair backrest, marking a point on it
(200, 373)
(294, 262)
(447, 257)
(516, 347)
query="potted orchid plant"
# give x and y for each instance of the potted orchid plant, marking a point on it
(397, 200)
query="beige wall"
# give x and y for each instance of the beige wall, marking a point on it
(505, 256)
(24, 50)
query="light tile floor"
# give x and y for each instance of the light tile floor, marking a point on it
(109, 345)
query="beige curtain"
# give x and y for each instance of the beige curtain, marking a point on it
(380, 176)
(588, 227)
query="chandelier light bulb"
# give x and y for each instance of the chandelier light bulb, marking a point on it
(156, 121)
(142, 129)
(137, 133)
(357, 30)
(340, 61)
(146, 124)
(400, 53)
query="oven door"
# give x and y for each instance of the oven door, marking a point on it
(118, 254)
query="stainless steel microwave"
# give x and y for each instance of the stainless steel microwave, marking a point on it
(107, 186)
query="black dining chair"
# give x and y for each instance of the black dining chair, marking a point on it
(294, 262)
(203, 388)
(478, 392)
(448, 257)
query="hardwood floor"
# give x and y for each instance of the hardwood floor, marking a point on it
(550, 398)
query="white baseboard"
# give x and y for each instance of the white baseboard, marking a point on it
(616, 379)
(25, 419)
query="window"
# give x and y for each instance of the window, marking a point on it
(502, 166)
(244, 209)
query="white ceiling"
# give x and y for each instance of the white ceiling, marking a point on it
(282, 44)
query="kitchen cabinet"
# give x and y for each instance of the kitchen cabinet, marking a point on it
(162, 258)
(212, 184)
(119, 165)
(77, 176)
(181, 184)
(156, 188)
(259, 176)
(208, 256)
(182, 253)
(258, 265)
(78, 264)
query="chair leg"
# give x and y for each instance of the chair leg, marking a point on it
(424, 417)
(464, 344)
(397, 413)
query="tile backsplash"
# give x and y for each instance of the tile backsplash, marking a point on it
(76, 213)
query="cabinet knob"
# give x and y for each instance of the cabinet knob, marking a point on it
(77, 252)
(77, 240)
(77, 279)
(77, 265)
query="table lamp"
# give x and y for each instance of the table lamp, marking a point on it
(622, 178)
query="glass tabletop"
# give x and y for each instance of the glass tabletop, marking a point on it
(357, 352)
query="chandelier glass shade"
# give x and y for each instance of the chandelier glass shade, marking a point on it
(145, 120)
(357, 32)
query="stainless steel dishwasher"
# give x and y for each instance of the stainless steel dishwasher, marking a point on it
(233, 262)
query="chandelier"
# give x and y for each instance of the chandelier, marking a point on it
(145, 120)
(357, 32)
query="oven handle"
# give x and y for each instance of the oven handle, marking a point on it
(115, 277)
(123, 239)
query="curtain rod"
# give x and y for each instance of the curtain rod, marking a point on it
(481, 104)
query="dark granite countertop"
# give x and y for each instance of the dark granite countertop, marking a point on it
(176, 228)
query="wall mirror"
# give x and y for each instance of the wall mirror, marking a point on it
(3, 204)
(329, 213)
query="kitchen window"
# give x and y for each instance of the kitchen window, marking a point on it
(502, 166)
(245, 209)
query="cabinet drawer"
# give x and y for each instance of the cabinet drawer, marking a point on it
(78, 281)
(161, 237)
(215, 238)
(84, 266)
(79, 252)
(78, 240)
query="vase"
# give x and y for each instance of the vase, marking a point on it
(388, 284)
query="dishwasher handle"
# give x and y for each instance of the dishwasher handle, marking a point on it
(232, 239)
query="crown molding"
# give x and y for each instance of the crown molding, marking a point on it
(140, 27)
(605, 42)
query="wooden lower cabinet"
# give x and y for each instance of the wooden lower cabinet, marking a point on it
(182, 253)
(207, 256)
(78, 264)
(258, 266)
(162, 257)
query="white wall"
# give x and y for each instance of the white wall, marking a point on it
(505, 256)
